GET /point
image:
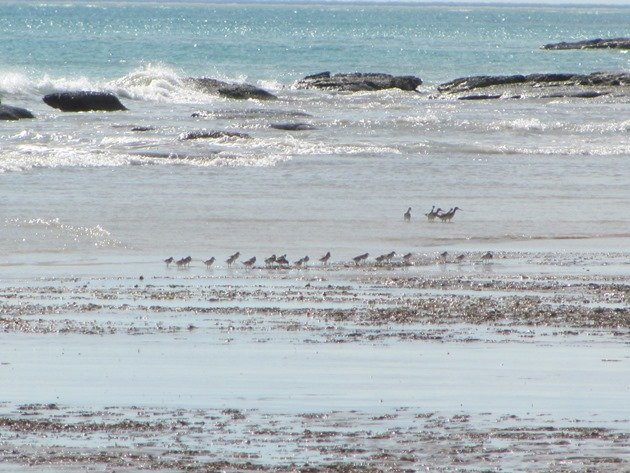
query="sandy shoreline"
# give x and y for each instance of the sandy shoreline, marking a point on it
(516, 365)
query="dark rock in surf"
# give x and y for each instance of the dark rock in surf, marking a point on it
(84, 101)
(213, 135)
(578, 95)
(358, 82)
(8, 112)
(230, 90)
(292, 126)
(466, 84)
(599, 43)
(480, 97)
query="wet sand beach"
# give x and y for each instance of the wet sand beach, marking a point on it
(519, 364)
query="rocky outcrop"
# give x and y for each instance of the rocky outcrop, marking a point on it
(212, 134)
(8, 112)
(466, 84)
(84, 101)
(292, 126)
(613, 43)
(358, 81)
(480, 97)
(230, 90)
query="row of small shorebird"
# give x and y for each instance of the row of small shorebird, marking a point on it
(434, 213)
(283, 262)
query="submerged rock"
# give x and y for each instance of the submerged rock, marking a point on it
(599, 43)
(292, 126)
(230, 90)
(359, 81)
(213, 134)
(480, 97)
(8, 112)
(84, 101)
(465, 84)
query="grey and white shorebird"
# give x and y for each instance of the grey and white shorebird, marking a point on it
(232, 258)
(407, 257)
(359, 258)
(209, 262)
(168, 261)
(385, 257)
(487, 257)
(181, 263)
(282, 260)
(460, 258)
(443, 256)
(407, 215)
(324, 259)
(271, 260)
(250, 262)
(433, 213)
(302, 261)
(448, 216)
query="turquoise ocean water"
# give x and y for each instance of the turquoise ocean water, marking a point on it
(284, 42)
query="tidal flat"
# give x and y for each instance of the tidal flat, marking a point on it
(519, 364)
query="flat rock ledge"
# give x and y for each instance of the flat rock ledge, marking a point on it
(84, 101)
(7, 112)
(230, 90)
(599, 43)
(358, 82)
(538, 82)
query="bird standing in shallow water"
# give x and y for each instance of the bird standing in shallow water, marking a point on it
(358, 259)
(407, 215)
(324, 259)
(486, 258)
(448, 216)
(460, 258)
(282, 260)
(250, 262)
(271, 260)
(232, 258)
(209, 262)
(433, 213)
(407, 257)
(168, 261)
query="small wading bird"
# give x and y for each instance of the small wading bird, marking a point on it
(232, 258)
(358, 259)
(407, 257)
(181, 263)
(460, 258)
(271, 260)
(448, 216)
(302, 261)
(487, 257)
(168, 261)
(250, 262)
(282, 260)
(432, 214)
(407, 215)
(324, 259)
(443, 256)
(209, 262)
